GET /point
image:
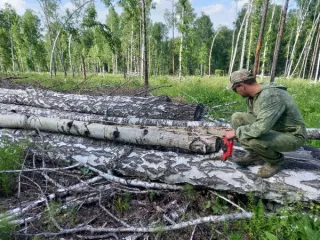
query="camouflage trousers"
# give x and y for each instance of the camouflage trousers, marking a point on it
(270, 145)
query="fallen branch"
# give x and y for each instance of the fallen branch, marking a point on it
(208, 219)
(40, 169)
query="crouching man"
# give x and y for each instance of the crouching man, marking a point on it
(272, 124)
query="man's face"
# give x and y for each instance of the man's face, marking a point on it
(241, 90)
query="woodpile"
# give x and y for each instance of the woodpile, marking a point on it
(150, 143)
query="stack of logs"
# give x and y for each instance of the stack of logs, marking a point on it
(151, 138)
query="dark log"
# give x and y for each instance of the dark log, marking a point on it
(299, 181)
(154, 110)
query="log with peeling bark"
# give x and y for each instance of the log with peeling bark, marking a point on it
(213, 127)
(149, 136)
(89, 104)
(299, 181)
(41, 93)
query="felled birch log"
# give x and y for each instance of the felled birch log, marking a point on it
(299, 181)
(42, 93)
(213, 127)
(154, 110)
(148, 136)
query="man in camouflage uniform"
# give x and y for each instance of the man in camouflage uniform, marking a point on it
(272, 124)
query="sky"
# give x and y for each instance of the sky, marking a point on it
(221, 12)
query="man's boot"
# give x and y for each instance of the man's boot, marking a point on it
(251, 158)
(268, 170)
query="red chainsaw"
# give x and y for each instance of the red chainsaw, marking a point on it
(227, 148)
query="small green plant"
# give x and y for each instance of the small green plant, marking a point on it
(11, 156)
(122, 203)
(217, 206)
(5, 228)
(152, 195)
(85, 171)
(189, 192)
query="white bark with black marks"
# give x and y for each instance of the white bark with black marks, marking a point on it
(213, 127)
(148, 136)
(97, 105)
(298, 181)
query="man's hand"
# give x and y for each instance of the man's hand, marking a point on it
(230, 134)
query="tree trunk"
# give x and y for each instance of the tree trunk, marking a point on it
(125, 134)
(145, 47)
(83, 68)
(70, 57)
(260, 39)
(299, 181)
(236, 44)
(131, 120)
(245, 35)
(278, 41)
(316, 79)
(37, 94)
(173, 26)
(214, 127)
(180, 52)
(232, 49)
(249, 48)
(159, 110)
(314, 56)
(307, 43)
(211, 48)
(266, 42)
(299, 28)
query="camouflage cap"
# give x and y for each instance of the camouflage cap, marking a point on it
(239, 76)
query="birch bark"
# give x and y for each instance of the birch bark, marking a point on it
(245, 35)
(299, 181)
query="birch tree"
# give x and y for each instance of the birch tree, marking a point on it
(278, 41)
(302, 17)
(234, 51)
(266, 46)
(211, 49)
(245, 34)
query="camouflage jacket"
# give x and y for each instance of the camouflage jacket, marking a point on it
(274, 109)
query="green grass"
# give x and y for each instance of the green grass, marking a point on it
(11, 157)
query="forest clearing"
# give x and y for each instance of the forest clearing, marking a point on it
(113, 126)
(125, 201)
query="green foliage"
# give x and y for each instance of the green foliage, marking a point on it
(216, 206)
(292, 222)
(11, 156)
(218, 72)
(189, 191)
(122, 203)
(64, 216)
(85, 170)
(6, 228)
